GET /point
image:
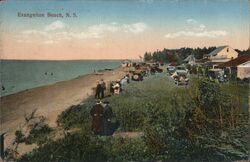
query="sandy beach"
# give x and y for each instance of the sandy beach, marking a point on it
(49, 100)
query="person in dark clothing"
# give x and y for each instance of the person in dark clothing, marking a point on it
(97, 113)
(111, 89)
(128, 80)
(103, 84)
(107, 125)
(98, 91)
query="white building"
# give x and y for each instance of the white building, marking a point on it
(222, 54)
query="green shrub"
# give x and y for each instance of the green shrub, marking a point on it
(74, 147)
(38, 134)
(128, 149)
(75, 116)
(19, 136)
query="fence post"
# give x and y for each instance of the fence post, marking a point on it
(2, 145)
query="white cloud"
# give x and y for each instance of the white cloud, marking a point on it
(102, 28)
(135, 28)
(202, 27)
(55, 26)
(99, 30)
(94, 31)
(34, 32)
(191, 21)
(208, 34)
(194, 29)
(23, 41)
(50, 42)
(147, 1)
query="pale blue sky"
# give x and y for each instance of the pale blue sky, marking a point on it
(214, 13)
(108, 24)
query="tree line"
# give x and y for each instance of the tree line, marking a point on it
(178, 55)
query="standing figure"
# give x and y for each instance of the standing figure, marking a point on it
(111, 89)
(116, 88)
(124, 81)
(103, 84)
(98, 90)
(107, 125)
(97, 113)
(127, 77)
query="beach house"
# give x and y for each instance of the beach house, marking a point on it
(221, 54)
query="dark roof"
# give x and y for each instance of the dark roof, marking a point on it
(236, 62)
(204, 60)
(217, 50)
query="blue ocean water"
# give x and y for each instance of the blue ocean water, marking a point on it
(19, 75)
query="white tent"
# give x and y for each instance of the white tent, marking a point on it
(243, 70)
(190, 59)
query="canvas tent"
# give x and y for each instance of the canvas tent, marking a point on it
(239, 66)
(190, 60)
(243, 70)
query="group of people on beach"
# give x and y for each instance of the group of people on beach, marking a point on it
(115, 87)
(102, 114)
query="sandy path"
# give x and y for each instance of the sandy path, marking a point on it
(49, 100)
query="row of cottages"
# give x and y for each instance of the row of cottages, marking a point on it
(226, 57)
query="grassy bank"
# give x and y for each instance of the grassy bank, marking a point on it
(202, 122)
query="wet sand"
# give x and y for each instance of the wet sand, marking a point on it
(49, 100)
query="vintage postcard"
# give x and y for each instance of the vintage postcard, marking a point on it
(124, 80)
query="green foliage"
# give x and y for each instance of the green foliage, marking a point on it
(147, 57)
(19, 136)
(74, 147)
(38, 133)
(74, 116)
(202, 122)
(193, 70)
(213, 128)
(124, 149)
